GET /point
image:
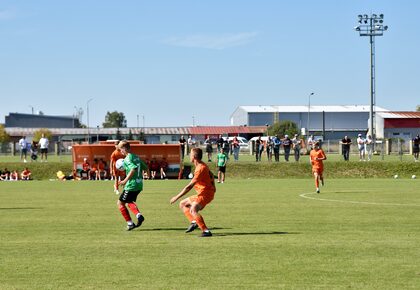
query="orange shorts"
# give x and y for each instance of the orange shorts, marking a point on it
(318, 170)
(202, 200)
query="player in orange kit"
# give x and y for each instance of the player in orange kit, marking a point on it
(116, 174)
(203, 183)
(317, 155)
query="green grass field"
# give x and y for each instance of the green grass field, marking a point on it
(268, 234)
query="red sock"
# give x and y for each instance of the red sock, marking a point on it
(200, 222)
(188, 214)
(125, 213)
(133, 207)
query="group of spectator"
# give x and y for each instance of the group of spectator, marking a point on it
(156, 167)
(99, 170)
(26, 146)
(14, 175)
(364, 146)
(272, 146)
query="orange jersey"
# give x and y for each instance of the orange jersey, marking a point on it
(204, 181)
(115, 156)
(317, 164)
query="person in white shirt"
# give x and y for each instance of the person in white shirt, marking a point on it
(369, 147)
(23, 148)
(361, 147)
(43, 145)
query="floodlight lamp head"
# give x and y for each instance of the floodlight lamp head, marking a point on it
(357, 28)
(374, 16)
(386, 27)
(365, 16)
(360, 16)
(381, 16)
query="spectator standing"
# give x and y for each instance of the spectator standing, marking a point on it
(26, 174)
(190, 143)
(182, 143)
(310, 143)
(361, 146)
(345, 143)
(236, 147)
(269, 148)
(416, 148)
(43, 145)
(220, 141)
(23, 148)
(276, 148)
(226, 147)
(259, 148)
(209, 149)
(369, 147)
(297, 145)
(287, 144)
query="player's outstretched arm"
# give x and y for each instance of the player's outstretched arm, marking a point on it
(184, 191)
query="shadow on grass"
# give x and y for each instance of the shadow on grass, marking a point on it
(253, 234)
(20, 208)
(174, 229)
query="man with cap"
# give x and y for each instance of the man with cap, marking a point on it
(361, 146)
(85, 169)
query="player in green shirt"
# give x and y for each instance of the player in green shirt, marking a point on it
(133, 185)
(221, 165)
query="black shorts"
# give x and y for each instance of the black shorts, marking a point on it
(129, 196)
(222, 169)
(44, 150)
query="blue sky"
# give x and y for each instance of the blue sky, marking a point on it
(178, 61)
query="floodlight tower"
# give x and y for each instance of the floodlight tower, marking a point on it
(372, 26)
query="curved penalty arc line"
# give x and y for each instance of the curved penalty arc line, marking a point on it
(305, 195)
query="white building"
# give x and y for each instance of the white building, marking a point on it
(335, 121)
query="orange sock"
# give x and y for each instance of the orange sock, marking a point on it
(188, 214)
(200, 222)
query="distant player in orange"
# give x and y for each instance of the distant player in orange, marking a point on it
(203, 183)
(317, 156)
(117, 174)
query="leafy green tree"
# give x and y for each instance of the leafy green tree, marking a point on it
(115, 120)
(418, 108)
(283, 128)
(4, 137)
(38, 134)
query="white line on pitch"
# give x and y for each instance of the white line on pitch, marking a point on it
(304, 195)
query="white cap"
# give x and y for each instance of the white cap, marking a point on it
(360, 135)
